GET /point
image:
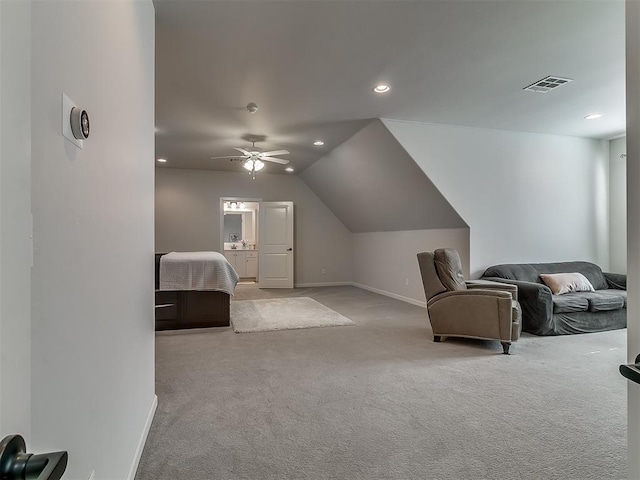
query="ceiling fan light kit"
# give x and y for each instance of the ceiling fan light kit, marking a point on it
(255, 157)
(251, 165)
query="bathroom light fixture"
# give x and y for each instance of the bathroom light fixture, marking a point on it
(381, 88)
(249, 165)
(162, 160)
(318, 143)
(593, 116)
(288, 169)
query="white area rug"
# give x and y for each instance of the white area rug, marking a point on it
(283, 314)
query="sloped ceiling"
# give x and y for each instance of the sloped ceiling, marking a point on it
(372, 185)
(311, 65)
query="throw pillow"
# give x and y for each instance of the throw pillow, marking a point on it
(560, 283)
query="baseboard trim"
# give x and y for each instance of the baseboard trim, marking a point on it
(325, 284)
(392, 295)
(143, 439)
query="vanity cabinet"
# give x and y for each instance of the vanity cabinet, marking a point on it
(245, 262)
(251, 264)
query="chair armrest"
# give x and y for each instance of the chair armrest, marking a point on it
(470, 293)
(535, 300)
(491, 285)
(616, 280)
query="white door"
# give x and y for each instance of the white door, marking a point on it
(275, 229)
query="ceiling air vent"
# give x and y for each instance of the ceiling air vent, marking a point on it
(547, 84)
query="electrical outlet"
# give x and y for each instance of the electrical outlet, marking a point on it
(323, 271)
(406, 281)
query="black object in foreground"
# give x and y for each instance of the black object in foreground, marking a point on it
(631, 370)
(16, 464)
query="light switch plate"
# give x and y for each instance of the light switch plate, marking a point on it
(67, 105)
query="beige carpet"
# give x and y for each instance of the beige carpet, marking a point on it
(283, 314)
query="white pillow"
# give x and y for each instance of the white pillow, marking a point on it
(560, 283)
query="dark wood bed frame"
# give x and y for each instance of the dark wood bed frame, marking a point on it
(178, 309)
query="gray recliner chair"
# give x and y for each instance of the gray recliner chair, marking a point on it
(474, 309)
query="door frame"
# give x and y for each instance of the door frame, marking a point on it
(221, 213)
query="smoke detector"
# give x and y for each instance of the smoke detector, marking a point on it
(252, 107)
(547, 84)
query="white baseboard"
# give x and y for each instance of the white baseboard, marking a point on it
(392, 295)
(143, 439)
(325, 284)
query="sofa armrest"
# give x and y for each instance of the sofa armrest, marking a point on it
(491, 285)
(535, 300)
(616, 280)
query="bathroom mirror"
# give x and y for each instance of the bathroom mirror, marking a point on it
(238, 226)
(233, 227)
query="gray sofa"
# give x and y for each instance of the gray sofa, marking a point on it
(577, 312)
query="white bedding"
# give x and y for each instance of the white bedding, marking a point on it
(197, 271)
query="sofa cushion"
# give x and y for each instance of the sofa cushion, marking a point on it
(600, 301)
(530, 272)
(514, 271)
(590, 270)
(570, 302)
(560, 283)
(619, 293)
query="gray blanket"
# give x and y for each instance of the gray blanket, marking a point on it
(197, 271)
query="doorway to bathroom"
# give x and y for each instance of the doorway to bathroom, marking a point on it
(239, 236)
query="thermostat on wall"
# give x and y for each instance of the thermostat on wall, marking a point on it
(79, 123)
(75, 122)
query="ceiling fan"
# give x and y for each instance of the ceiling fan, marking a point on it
(254, 158)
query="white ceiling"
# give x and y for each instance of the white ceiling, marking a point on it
(310, 66)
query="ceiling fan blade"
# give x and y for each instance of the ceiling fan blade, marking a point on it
(228, 157)
(275, 160)
(241, 150)
(275, 152)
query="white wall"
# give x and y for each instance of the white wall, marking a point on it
(526, 197)
(188, 218)
(92, 306)
(15, 218)
(618, 205)
(386, 262)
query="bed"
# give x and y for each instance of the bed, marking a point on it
(193, 290)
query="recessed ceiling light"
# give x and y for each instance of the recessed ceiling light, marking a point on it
(162, 160)
(593, 116)
(289, 169)
(318, 143)
(381, 88)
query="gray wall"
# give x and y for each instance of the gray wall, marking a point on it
(618, 205)
(526, 197)
(386, 262)
(93, 319)
(373, 185)
(188, 218)
(15, 218)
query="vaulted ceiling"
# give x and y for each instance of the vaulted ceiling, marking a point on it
(310, 67)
